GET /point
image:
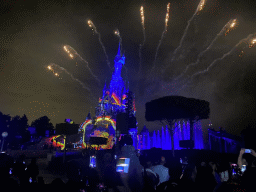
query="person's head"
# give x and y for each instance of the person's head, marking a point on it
(162, 162)
(203, 164)
(149, 163)
(204, 176)
(57, 182)
(190, 172)
(138, 153)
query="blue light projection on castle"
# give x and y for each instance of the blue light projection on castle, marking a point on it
(117, 98)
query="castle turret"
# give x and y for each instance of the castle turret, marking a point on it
(117, 83)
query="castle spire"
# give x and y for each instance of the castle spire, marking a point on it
(119, 50)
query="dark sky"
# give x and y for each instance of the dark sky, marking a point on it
(33, 33)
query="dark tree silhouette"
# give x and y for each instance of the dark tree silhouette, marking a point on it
(171, 108)
(42, 124)
(4, 122)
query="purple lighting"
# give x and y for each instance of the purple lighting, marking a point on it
(162, 139)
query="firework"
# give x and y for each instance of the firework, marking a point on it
(232, 25)
(167, 16)
(63, 69)
(225, 55)
(117, 33)
(49, 67)
(165, 30)
(142, 16)
(199, 8)
(144, 35)
(92, 26)
(90, 23)
(252, 43)
(209, 47)
(241, 54)
(74, 53)
(71, 51)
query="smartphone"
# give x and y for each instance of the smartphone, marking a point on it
(181, 160)
(243, 168)
(10, 172)
(30, 180)
(115, 156)
(247, 151)
(123, 165)
(92, 161)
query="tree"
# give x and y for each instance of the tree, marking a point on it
(4, 122)
(170, 108)
(42, 124)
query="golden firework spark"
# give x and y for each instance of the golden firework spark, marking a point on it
(142, 15)
(90, 23)
(233, 23)
(167, 15)
(253, 42)
(201, 6)
(117, 32)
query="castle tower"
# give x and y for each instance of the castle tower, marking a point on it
(117, 86)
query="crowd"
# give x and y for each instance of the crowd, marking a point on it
(145, 173)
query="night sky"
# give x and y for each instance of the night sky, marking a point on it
(33, 33)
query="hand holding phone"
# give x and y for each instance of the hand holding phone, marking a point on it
(243, 168)
(247, 151)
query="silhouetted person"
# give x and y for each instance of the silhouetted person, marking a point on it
(19, 170)
(161, 170)
(187, 182)
(133, 180)
(33, 170)
(205, 179)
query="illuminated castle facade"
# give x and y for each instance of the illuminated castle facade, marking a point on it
(115, 99)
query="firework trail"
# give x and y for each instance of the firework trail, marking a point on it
(63, 69)
(198, 10)
(72, 53)
(117, 33)
(92, 26)
(226, 28)
(165, 30)
(225, 55)
(144, 35)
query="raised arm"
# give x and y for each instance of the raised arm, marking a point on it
(253, 152)
(239, 161)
